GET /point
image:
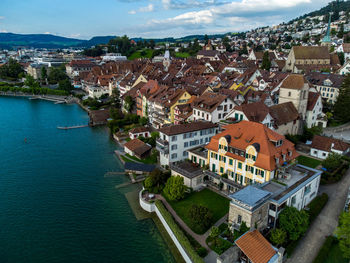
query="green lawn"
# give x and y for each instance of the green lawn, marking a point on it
(182, 54)
(216, 203)
(307, 161)
(148, 53)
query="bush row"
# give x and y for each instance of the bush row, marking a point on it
(335, 176)
(35, 91)
(316, 206)
(324, 251)
(181, 237)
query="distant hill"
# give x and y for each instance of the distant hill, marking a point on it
(334, 6)
(11, 40)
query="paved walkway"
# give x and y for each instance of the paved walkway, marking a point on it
(326, 222)
(200, 238)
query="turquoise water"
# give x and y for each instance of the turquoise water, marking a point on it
(55, 203)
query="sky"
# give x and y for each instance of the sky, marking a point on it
(84, 19)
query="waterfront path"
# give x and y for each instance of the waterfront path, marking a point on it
(326, 222)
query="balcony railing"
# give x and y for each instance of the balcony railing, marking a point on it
(162, 146)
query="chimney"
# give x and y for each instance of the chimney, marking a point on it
(280, 254)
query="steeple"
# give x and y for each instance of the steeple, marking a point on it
(327, 38)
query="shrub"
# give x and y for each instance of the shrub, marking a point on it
(316, 206)
(278, 236)
(332, 162)
(202, 252)
(181, 237)
(201, 216)
(294, 222)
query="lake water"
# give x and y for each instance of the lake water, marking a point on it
(55, 203)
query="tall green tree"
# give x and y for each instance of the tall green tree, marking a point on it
(332, 162)
(174, 188)
(266, 63)
(43, 74)
(342, 105)
(343, 234)
(294, 222)
(31, 82)
(11, 70)
(129, 104)
(65, 85)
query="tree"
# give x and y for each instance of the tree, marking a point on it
(156, 180)
(266, 63)
(214, 232)
(174, 188)
(65, 85)
(43, 73)
(143, 121)
(341, 58)
(31, 82)
(201, 217)
(343, 233)
(116, 97)
(332, 162)
(128, 104)
(56, 74)
(278, 236)
(11, 70)
(342, 105)
(294, 222)
(206, 38)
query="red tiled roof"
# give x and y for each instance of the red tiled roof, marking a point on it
(255, 247)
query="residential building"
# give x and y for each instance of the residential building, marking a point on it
(285, 119)
(328, 85)
(192, 173)
(260, 205)
(75, 67)
(322, 146)
(254, 248)
(295, 89)
(137, 148)
(212, 107)
(140, 132)
(175, 140)
(314, 114)
(249, 152)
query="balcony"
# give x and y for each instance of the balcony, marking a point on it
(162, 146)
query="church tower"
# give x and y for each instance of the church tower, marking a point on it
(327, 41)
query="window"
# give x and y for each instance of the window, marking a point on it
(231, 161)
(293, 200)
(239, 219)
(185, 153)
(186, 144)
(174, 138)
(239, 165)
(289, 94)
(219, 115)
(174, 156)
(174, 147)
(221, 169)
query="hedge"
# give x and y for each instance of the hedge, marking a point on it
(181, 237)
(324, 251)
(335, 176)
(316, 206)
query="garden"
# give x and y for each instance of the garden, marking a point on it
(200, 210)
(308, 161)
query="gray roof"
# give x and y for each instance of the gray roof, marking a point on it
(251, 195)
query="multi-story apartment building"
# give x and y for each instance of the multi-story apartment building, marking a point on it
(212, 107)
(260, 205)
(175, 140)
(249, 152)
(328, 85)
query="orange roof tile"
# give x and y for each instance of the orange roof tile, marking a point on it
(246, 133)
(255, 247)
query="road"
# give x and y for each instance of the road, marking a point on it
(326, 222)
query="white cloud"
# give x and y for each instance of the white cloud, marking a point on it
(144, 9)
(2, 17)
(3, 31)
